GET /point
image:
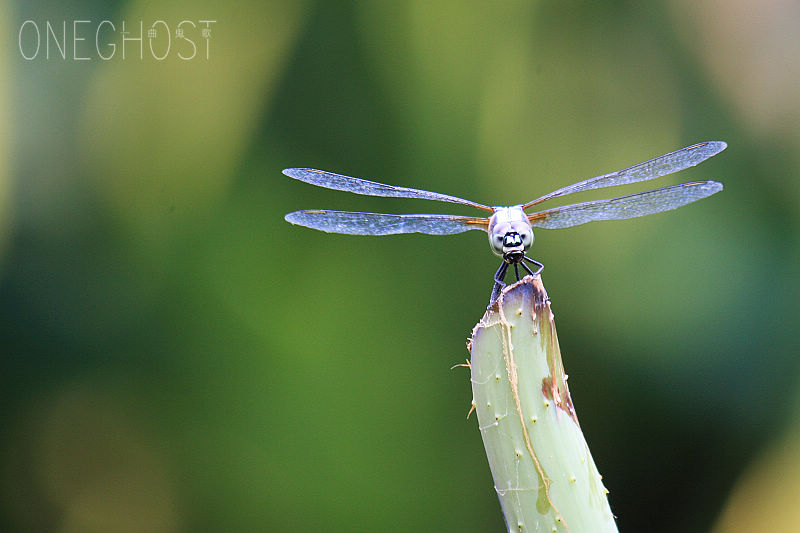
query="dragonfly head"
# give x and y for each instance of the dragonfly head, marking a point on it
(510, 233)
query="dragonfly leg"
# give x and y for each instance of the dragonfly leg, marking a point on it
(527, 268)
(537, 263)
(516, 270)
(498, 282)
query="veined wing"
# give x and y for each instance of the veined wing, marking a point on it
(355, 223)
(339, 182)
(659, 166)
(631, 206)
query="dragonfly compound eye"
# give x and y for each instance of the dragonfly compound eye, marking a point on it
(527, 239)
(496, 243)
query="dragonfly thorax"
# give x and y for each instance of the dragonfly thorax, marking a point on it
(510, 233)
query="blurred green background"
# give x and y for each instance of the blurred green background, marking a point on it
(177, 358)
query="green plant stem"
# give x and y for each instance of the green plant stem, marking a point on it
(543, 471)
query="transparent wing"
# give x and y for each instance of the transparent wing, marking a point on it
(355, 223)
(338, 182)
(659, 166)
(631, 206)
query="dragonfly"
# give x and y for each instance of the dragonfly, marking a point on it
(510, 229)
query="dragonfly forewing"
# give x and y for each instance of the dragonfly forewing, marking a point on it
(339, 182)
(356, 223)
(658, 166)
(631, 206)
